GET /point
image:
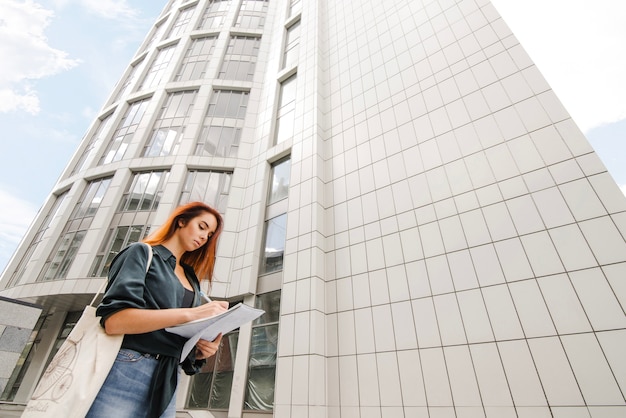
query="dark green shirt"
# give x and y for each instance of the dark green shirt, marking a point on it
(130, 286)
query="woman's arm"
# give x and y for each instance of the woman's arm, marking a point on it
(139, 321)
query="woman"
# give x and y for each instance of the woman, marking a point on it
(143, 379)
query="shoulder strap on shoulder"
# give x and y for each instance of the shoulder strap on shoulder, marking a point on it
(149, 257)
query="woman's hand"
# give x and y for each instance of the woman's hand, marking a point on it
(210, 309)
(205, 349)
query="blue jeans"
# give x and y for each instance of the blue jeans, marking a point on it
(124, 393)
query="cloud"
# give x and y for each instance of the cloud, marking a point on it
(15, 218)
(110, 9)
(25, 54)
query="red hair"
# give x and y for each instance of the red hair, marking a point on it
(202, 259)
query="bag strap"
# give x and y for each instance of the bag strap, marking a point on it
(103, 285)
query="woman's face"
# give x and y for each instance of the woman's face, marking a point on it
(197, 231)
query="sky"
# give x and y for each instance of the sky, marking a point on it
(62, 58)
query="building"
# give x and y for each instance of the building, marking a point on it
(428, 230)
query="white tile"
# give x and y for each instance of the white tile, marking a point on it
(438, 184)
(609, 193)
(435, 377)
(486, 265)
(591, 369)
(411, 245)
(398, 283)
(411, 381)
(582, 200)
(541, 253)
(607, 411)
(573, 137)
(417, 277)
(430, 154)
(532, 114)
(516, 87)
(501, 162)
(379, 289)
(392, 249)
(461, 375)
(439, 275)
(488, 131)
(553, 106)
(563, 303)
(479, 170)
(383, 333)
(368, 380)
(555, 372)
(502, 313)
(570, 412)
(613, 344)
(475, 228)
(426, 323)
(531, 309)
(492, 383)
(552, 208)
(615, 274)
(598, 299)
(513, 260)
(375, 254)
(302, 333)
(458, 177)
(462, 270)
(521, 374)
(566, 171)
(538, 180)
(572, 247)
(420, 192)
(348, 381)
(499, 221)
(525, 215)
(533, 412)
(525, 154)
(449, 319)
(389, 379)
(604, 239)
(550, 145)
(431, 239)
(344, 294)
(474, 315)
(300, 392)
(403, 326)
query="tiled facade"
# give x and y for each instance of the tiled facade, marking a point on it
(442, 238)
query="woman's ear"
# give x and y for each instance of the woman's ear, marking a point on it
(181, 223)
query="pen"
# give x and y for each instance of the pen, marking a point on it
(205, 297)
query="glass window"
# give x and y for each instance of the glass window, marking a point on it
(62, 256)
(130, 80)
(144, 192)
(285, 119)
(252, 14)
(196, 59)
(211, 187)
(279, 189)
(182, 20)
(214, 14)
(156, 34)
(114, 242)
(294, 7)
(292, 42)
(212, 386)
(93, 145)
(274, 247)
(263, 350)
(116, 148)
(45, 224)
(157, 69)
(169, 127)
(240, 58)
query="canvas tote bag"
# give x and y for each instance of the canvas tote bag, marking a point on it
(72, 380)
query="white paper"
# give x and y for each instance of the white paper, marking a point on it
(209, 328)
